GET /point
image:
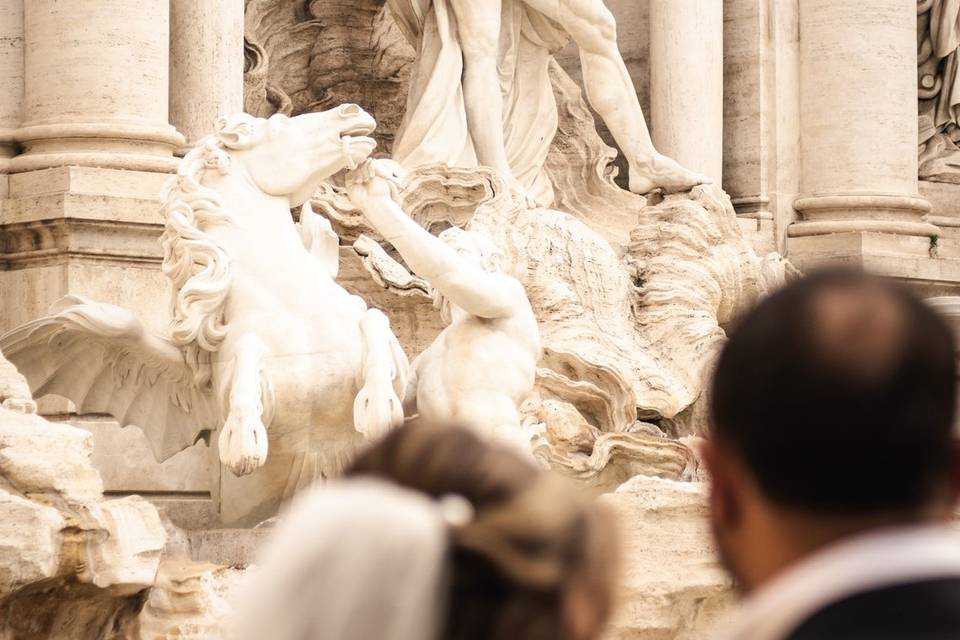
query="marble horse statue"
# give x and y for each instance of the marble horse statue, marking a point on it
(264, 345)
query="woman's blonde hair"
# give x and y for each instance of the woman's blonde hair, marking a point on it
(532, 539)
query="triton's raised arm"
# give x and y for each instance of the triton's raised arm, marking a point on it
(464, 281)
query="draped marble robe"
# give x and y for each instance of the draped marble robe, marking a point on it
(945, 37)
(435, 129)
(938, 22)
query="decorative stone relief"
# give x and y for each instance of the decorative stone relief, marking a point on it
(475, 103)
(631, 293)
(620, 333)
(284, 347)
(938, 53)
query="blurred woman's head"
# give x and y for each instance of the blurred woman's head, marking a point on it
(434, 535)
(537, 560)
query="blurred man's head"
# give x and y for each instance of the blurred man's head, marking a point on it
(832, 409)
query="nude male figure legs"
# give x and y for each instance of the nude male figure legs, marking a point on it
(609, 87)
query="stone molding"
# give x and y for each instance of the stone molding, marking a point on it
(823, 214)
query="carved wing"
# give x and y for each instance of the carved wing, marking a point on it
(100, 357)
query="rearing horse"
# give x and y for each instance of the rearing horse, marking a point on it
(264, 344)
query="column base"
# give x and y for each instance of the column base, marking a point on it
(112, 145)
(931, 265)
(8, 149)
(850, 213)
(757, 206)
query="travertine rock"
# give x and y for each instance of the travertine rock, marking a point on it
(620, 333)
(575, 448)
(314, 55)
(14, 390)
(190, 601)
(71, 563)
(673, 588)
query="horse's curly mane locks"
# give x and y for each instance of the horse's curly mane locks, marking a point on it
(196, 263)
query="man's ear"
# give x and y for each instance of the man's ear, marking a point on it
(721, 466)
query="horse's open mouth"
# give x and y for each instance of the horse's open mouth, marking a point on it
(357, 131)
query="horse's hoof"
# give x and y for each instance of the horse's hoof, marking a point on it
(376, 411)
(243, 443)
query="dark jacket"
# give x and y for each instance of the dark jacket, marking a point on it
(924, 610)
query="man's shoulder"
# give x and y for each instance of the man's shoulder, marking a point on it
(922, 610)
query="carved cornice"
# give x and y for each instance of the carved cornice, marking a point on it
(39, 243)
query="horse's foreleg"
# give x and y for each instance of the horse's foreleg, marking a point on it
(378, 406)
(243, 440)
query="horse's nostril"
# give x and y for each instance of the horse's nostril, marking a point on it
(349, 110)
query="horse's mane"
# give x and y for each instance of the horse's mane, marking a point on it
(196, 263)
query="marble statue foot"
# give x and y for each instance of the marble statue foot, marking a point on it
(243, 442)
(661, 172)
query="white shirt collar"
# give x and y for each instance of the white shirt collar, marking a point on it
(868, 561)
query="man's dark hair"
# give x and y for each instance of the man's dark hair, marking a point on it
(838, 392)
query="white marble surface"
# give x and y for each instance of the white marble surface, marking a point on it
(250, 348)
(461, 112)
(482, 366)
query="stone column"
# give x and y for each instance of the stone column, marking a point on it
(81, 215)
(686, 82)
(11, 79)
(206, 63)
(96, 82)
(761, 114)
(858, 105)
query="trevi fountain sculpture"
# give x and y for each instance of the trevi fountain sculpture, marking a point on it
(575, 319)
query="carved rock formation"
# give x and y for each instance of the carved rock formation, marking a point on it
(672, 588)
(190, 601)
(71, 563)
(570, 445)
(14, 390)
(312, 55)
(632, 293)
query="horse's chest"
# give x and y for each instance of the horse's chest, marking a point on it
(316, 386)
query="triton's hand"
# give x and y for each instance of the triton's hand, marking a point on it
(375, 178)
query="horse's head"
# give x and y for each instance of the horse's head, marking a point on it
(287, 156)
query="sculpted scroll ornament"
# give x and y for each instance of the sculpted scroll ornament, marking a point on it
(292, 370)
